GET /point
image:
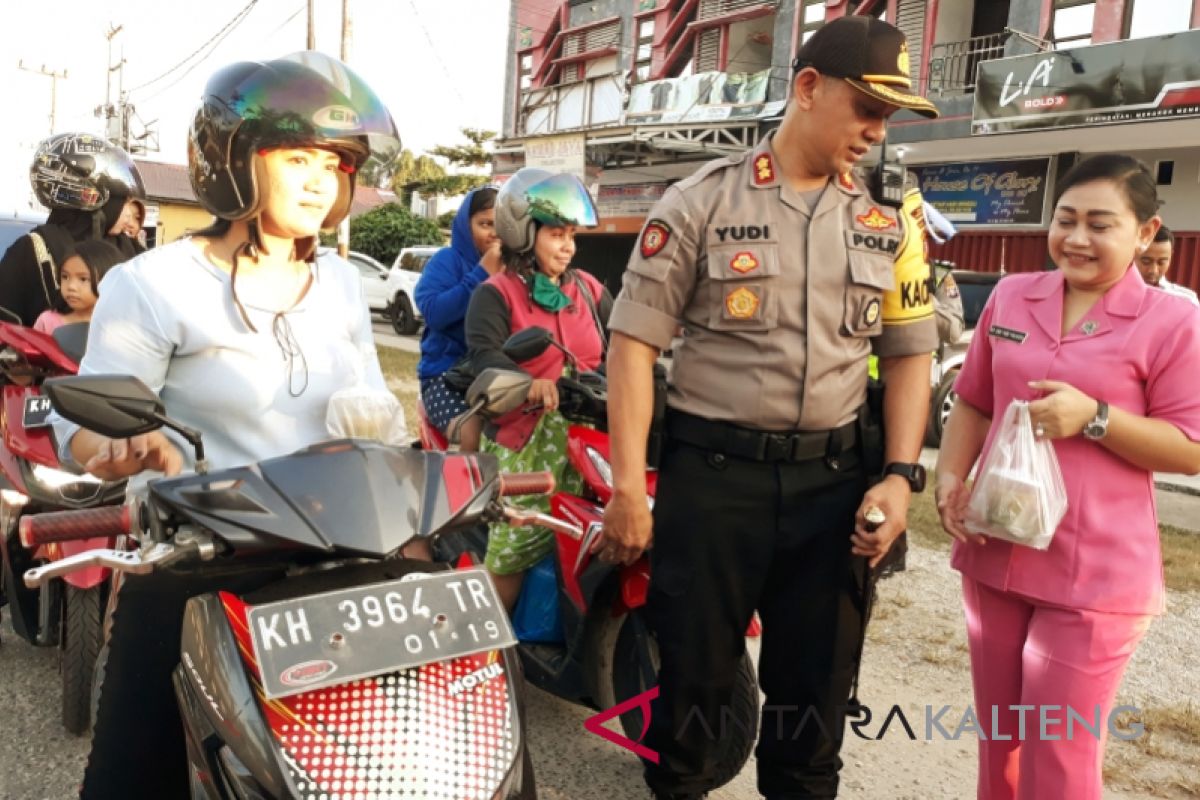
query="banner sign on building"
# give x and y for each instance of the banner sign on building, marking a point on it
(629, 200)
(987, 192)
(1137, 80)
(564, 153)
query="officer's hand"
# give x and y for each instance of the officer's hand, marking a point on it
(120, 458)
(628, 530)
(1064, 411)
(891, 496)
(952, 498)
(544, 392)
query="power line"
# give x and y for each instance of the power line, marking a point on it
(436, 53)
(215, 39)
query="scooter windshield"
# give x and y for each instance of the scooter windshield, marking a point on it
(350, 495)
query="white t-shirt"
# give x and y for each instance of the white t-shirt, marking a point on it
(1175, 289)
(168, 318)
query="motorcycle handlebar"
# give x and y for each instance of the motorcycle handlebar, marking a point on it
(65, 526)
(518, 483)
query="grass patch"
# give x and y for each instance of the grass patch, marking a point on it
(401, 365)
(1181, 558)
(1163, 761)
(924, 524)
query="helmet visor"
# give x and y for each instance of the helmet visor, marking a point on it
(561, 200)
(283, 105)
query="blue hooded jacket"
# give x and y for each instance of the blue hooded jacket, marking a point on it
(443, 293)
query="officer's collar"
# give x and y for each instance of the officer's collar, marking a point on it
(764, 170)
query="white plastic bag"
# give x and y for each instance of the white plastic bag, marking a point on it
(360, 412)
(1019, 493)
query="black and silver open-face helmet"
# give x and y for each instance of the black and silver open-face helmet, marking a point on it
(302, 100)
(82, 171)
(538, 195)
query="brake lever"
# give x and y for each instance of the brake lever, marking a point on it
(525, 517)
(136, 562)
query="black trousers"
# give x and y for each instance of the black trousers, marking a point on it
(138, 745)
(732, 536)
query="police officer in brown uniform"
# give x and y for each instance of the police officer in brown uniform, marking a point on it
(782, 269)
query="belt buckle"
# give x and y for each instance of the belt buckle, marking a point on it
(777, 447)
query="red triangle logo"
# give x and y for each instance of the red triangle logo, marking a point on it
(594, 724)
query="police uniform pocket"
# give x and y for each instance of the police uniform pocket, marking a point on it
(742, 292)
(870, 276)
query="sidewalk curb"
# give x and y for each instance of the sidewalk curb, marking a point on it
(1178, 488)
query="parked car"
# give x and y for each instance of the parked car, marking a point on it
(974, 288)
(402, 282)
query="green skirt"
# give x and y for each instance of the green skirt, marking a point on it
(512, 549)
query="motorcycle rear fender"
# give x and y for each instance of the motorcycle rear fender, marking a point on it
(216, 697)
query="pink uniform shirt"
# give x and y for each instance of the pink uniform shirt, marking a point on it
(1136, 349)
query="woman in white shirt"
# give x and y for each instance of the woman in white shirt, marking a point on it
(245, 335)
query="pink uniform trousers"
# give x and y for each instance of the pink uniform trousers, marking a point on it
(1028, 653)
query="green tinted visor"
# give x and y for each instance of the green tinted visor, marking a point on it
(283, 105)
(561, 200)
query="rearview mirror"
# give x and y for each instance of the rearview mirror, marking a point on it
(117, 406)
(499, 391)
(527, 344)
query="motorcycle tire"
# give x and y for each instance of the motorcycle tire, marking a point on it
(620, 667)
(82, 635)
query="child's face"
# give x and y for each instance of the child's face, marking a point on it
(75, 283)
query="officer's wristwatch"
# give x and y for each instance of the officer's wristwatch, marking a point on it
(1098, 427)
(913, 473)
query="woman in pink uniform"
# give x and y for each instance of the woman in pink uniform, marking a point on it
(1109, 368)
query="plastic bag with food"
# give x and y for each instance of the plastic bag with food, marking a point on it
(360, 412)
(1019, 494)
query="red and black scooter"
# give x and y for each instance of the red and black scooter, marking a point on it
(67, 612)
(329, 666)
(602, 653)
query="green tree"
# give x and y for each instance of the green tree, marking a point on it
(445, 221)
(472, 154)
(410, 172)
(383, 231)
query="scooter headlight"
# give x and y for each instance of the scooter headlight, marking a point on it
(61, 488)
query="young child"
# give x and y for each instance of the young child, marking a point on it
(78, 283)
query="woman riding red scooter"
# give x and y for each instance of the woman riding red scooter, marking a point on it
(537, 216)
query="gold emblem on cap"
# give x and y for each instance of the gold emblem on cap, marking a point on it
(741, 303)
(902, 59)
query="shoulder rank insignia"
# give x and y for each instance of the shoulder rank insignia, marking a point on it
(846, 182)
(744, 262)
(764, 170)
(876, 220)
(655, 237)
(742, 303)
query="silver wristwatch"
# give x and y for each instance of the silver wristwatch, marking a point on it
(1098, 427)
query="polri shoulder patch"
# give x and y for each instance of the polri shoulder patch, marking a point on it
(655, 236)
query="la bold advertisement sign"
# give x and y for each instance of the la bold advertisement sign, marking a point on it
(1138, 80)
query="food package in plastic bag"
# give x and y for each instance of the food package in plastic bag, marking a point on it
(360, 412)
(1019, 495)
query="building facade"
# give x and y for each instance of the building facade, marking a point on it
(635, 94)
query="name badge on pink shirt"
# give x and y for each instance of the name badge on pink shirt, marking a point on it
(1000, 332)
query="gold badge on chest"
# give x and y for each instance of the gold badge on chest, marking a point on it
(743, 262)
(742, 303)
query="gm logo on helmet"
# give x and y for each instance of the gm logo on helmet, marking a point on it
(338, 118)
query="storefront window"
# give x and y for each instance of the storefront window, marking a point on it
(1158, 17)
(1073, 21)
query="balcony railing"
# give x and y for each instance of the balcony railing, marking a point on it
(582, 104)
(952, 64)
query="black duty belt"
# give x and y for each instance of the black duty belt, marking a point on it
(756, 445)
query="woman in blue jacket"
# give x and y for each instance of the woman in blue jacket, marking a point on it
(442, 294)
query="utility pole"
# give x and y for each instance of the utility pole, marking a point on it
(343, 236)
(312, 27)
(53, 76)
